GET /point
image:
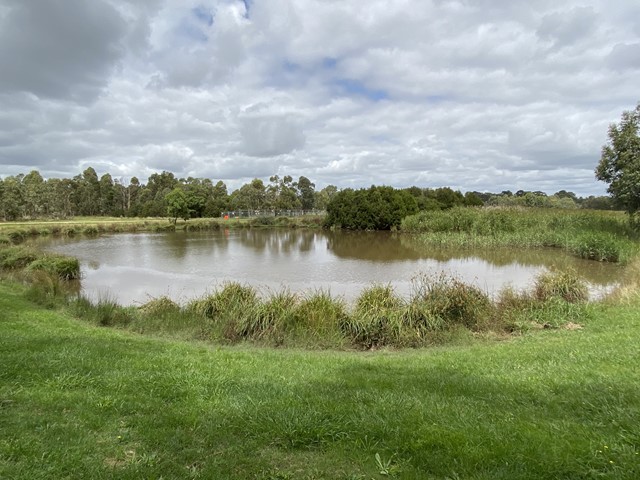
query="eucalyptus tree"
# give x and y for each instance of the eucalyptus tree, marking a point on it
(306, 193)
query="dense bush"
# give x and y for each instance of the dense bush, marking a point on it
(375, 208)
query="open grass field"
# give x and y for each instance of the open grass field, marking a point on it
(80, 401)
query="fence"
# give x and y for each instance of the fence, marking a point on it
(269, 213)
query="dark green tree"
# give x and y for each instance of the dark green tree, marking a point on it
(12, 201)
(34, 190)
(375, 208)
(306, 193)
(177, 204)
(218, 201)
(620, 163)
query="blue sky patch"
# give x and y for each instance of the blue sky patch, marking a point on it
(356, 88)
(247, 7)
(203, 14)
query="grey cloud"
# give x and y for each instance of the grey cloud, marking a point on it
(568, 27)
(59, 48)
(625, 56)
(269, 134)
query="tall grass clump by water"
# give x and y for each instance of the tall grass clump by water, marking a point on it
(21, 257)
(376, 319)
(230, 312)
(595, 235)
(444, 302)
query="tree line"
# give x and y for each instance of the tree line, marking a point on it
(28, 196)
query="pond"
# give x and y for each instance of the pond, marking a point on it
(133, 268)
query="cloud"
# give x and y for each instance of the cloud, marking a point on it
(483, 95)
(59, 48)
(267, 134)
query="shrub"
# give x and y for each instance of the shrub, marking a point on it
(376, 208)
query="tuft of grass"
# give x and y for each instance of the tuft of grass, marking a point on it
(231, 309)
(565, 285)
(105, 312)
(46, 289)
(273, 317)
(17, 257)
(66, 268)
(377, 318)
(445, 301)
(318, 318)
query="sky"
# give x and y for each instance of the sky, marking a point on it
(485, 95)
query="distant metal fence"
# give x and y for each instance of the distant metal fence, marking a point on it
(269, 213)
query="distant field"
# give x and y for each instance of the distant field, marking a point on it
(79, 401)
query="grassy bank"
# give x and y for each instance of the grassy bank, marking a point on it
(441, 310)
(595, 235)
(78, 401)
(15, 232)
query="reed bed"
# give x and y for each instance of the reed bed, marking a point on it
(594, 235)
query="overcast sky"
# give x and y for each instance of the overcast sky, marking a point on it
(472, 94)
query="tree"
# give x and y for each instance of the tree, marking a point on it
(620, 163)
(376, 208)
(34, 194)
(306, 193)
(177, 204)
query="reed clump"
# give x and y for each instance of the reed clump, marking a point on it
(377, 318)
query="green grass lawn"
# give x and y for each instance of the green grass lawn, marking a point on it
(78, 401)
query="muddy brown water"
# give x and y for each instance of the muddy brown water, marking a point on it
(133, 268)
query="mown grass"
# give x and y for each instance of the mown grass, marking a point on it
(77, 401)
(594, 235)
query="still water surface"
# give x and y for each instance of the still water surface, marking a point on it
(132, 268)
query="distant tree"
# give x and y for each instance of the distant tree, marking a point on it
(306, 193)
(218, 201)
(471, 199)
(107, 195)
(177, 204)
(34, 190)
(375, 208)
(620, 163)
(12, 201)
(152, 197)
(324, 196)
(251, 196)
(598, 203)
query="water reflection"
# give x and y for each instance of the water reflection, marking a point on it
(132, 267)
